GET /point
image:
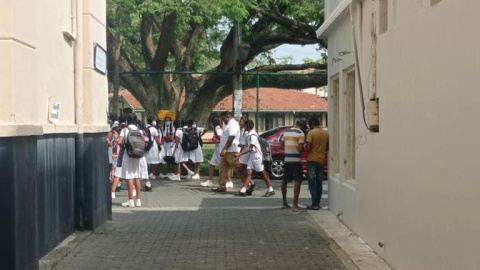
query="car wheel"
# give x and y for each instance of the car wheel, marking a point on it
(277, 168)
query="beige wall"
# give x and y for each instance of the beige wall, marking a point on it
(416, 188)
(37, 67)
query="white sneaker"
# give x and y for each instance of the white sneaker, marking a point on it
(113, 195)
(161, 176)
(229, 184)
(207, 183)
(196, 176)
(128, 203)
(138, 203)
(170, 175)
(148, 184)
(190, 173)
(174, 177)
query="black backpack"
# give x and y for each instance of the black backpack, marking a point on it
(266, 151)
(135, 143)
(149, 144)
(190, 139)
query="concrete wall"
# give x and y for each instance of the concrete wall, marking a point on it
(416, 188)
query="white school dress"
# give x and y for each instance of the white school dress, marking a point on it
(167, 147)
(180, 155)
(152, 155)
(216, 154)
(243, 141)
(255, 157)
(196, 156)
(132, 168)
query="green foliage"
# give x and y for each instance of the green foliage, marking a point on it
(198, 37)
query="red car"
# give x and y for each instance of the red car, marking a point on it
(278, 155)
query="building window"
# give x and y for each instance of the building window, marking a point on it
(349, 126)
(272, 121)
(335, 127)
(383, 16)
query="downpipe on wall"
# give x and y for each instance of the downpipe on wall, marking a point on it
(78, 95)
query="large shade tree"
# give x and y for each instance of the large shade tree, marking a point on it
(154, 42)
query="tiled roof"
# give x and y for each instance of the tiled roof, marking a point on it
(275, 99)
(129, 98)
(271, 99)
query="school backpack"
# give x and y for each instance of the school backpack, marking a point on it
(135, 143)
(190, 139)
(266, 151)
(148, 144)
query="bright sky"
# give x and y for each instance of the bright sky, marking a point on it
(298, 52)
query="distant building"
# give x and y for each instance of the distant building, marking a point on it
(127, 100)
(277, 107)
(319, 91)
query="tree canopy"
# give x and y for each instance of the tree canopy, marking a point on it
(154, 42)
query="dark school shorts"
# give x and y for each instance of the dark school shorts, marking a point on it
(292, 172)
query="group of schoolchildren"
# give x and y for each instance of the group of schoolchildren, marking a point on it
(176, 144)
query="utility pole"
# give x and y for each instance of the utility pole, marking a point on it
(237, 77)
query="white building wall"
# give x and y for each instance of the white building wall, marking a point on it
(416, 189)
(37, 67)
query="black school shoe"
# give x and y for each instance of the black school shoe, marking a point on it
(147, 188)
(269, 193)
(241, 194)
(250, 189)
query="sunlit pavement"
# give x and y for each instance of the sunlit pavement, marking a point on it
(182, 225)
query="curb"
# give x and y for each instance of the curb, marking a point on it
(361, 254)
(51, 259)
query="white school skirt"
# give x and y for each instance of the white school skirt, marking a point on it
(132, 168)
(196, 156)
(216, 156)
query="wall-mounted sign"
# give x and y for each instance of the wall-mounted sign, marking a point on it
(166, 113)
(54, 115)
(100, 59)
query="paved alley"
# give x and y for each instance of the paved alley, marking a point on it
(182, 225)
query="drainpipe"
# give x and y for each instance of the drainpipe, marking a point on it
(78, 95)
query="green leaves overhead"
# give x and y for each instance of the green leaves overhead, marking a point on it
(197, 35)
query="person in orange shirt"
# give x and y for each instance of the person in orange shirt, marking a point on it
(317, 147)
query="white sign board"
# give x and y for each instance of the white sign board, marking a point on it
(54, 115)
(100, 59)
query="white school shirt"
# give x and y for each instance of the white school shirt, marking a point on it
(231, 129)
(253, 140)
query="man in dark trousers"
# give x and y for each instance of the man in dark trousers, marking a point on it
(317, 147)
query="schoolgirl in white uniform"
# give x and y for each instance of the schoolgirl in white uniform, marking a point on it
(132, 169)
(196, 156)
(253, 152)
(168, 133)
(180, 156)
(243, 146)
(152, 155)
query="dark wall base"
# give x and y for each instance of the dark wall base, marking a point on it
(40, 193)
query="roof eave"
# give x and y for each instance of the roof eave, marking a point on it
(333, 20)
